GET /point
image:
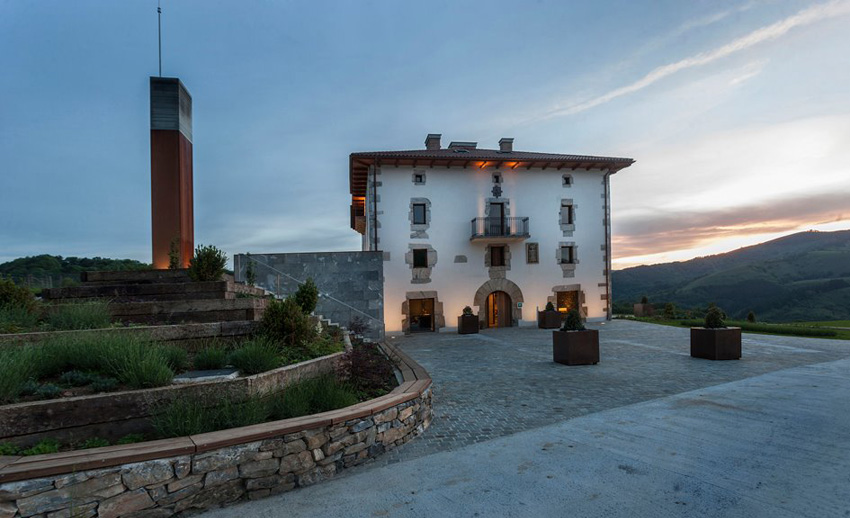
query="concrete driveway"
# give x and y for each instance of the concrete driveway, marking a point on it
(648, 431)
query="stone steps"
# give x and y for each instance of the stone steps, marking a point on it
(189, 311)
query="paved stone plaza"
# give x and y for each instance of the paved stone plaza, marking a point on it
(649, 431)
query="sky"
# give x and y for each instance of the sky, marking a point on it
(737, 112)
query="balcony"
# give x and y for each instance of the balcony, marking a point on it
(499, 229)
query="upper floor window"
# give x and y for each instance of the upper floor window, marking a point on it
(497, 178)
(567, 180)
(420, 258)
(419, 214)
(419, 178)
(532, 253)
(567, 213)
(497, 256)
(568, 255)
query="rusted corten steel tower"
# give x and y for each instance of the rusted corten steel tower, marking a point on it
(172, 220)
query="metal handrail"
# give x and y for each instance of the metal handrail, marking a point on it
(499, 227)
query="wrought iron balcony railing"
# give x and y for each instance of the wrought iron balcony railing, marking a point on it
(503, 228)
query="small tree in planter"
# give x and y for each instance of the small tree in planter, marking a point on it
(715, 341)
(573, 344)
(549, 318)
(467, 323)
(644, 309)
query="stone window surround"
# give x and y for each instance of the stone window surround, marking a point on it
(537, 253)
(498, 178)
(497, 272)
(420, 173)
(439, 317)
(420, 275)
(569, 287)
(418, 230)
(504, 201)
(567, 268)
(567, 228)
(567, 180)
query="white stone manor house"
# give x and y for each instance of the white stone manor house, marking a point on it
(499, 230)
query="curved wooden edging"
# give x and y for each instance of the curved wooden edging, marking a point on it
(415, 384)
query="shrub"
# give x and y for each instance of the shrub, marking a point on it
(93, 442)
(359, 325)
(211, 358)
(140, 365)
(207, 264)
(17, 366)
(307, 296)
(714, 318)
(550, 306)
(76, 378)
(255, 356)
(44, 446)
(284, 322)
(669, 311)
(367, 370)
(751, 317)
(102, 384)
(131, 438)
(7, 448)
(80, 315)
(644, 300)
(572, 322)
(174, 254)
(312, 396)
(176, 357)
(250, 273)
(17, 296)
(17, 319)
(47, 391)
(467, 310)
(182, 417)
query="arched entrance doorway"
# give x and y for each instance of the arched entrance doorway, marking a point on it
(511, 302)
(499, 307)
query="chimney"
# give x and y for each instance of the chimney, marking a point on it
(506, 144)
(432, 141)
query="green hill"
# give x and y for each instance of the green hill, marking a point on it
(51, 270)
(803, 276)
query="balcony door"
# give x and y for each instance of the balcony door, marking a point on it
(496, 220)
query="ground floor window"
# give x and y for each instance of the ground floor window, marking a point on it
(421, 315)
(567, 300)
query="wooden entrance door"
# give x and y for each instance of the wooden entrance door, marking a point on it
(499, 309)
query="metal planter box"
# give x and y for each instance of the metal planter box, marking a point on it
(467, 324)
(716, 344)
(576, 347)
(548, 319)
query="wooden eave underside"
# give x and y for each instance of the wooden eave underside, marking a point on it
(359, 166)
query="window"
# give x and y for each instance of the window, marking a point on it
(420, 258)
(532, 253)
(567, 300)
(497, 256)
(497, 178)
(566, 213)
(567, 180)
(419, 178)
(419, 214)
(568, 255)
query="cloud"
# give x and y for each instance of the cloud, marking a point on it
(771, 32)
(666, 231)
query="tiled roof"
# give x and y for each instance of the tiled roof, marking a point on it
(489, 154)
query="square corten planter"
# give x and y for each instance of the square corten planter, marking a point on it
(548, 319)
(467, 324)
(576, 347)
(716, 344)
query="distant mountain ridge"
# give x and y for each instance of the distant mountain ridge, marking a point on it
(804, 276)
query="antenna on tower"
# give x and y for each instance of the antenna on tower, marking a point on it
(159, 33)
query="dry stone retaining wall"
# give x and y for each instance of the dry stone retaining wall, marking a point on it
(177, 476)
